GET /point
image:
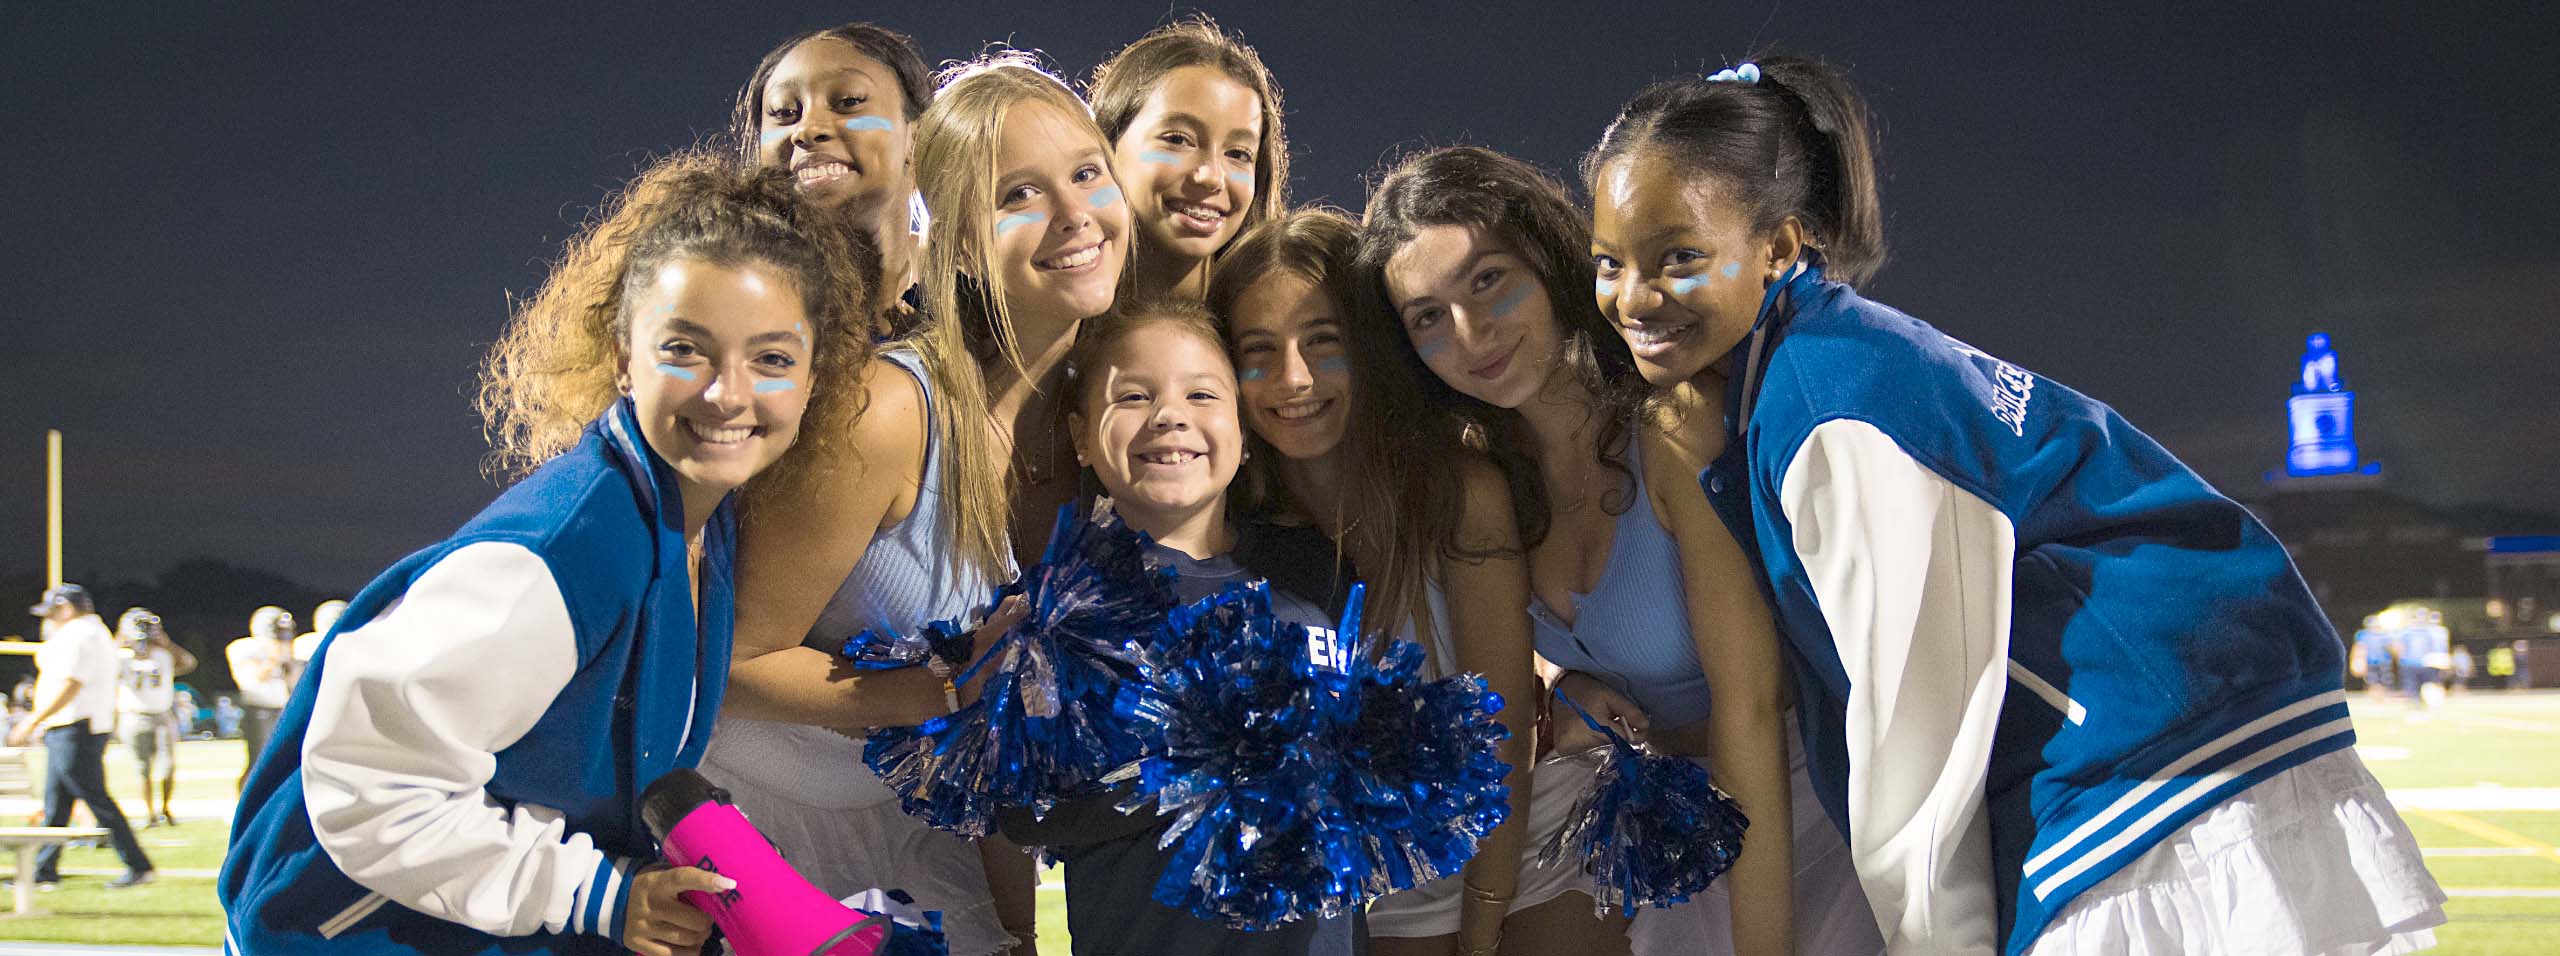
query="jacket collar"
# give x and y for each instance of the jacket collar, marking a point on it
(1751, 355)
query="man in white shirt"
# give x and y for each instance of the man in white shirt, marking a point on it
(146, 704)
(264, 667)
(76, 712)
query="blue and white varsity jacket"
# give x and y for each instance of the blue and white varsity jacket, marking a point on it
(460, 769)
(1940, 531)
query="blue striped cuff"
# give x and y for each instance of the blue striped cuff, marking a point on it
(601, 902)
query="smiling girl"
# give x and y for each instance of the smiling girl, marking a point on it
(2064, 696)
(1029, 239)
(1431, 525)
(1194, 124)
(1153, 414)
(460, 770)
(837, 108)
(881, 534)
(1475, 254)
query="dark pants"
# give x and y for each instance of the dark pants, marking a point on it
(256, 725)
(76, 769)
(1112, 911)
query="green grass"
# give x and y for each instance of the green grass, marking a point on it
(171, 912)
(2506, 741)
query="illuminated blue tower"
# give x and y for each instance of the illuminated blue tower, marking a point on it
(2322, 412)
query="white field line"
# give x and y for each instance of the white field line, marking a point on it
(2477, 799)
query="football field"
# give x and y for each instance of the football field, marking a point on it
(2478, 779)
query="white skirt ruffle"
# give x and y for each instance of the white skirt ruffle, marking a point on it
(1432, 908)
(840, 826)
(2311, 862)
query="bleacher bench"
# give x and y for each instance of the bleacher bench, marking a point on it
(24, 841)
(17, 779)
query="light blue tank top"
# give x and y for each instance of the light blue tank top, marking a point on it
(1632, 630)
(911, 575)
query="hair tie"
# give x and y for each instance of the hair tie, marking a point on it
(1748, 72)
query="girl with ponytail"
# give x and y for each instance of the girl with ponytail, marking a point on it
(2062, 695)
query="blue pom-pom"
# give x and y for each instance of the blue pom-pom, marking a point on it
(1298, 789)
(1653, 829)
(1043, 728)
(942, 643)
(1424, 763)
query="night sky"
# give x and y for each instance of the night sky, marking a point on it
(251, 259)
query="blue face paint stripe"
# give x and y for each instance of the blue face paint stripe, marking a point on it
(1244, 179)
(1732, 269)
(773, 136)
(1431, 348)
(1519, 294)
(860, 123)
(1159, 157)
(1603, 287)
(1250, 375)
(673, 372)
(1018, 220)
(775, 385)
(1333, 365)
(1105, 196)
(1688, 285)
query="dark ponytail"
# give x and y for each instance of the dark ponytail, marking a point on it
(1797, 142)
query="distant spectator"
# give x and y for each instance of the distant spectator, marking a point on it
(2461, 668)
(2370, 658)
(189, 716)
(22, 701)
(263, 665)
(76, 711)
(323, 618)
(147, 702)
(2524, 668)
(226, 716)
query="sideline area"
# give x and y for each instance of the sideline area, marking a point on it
(2478, 780)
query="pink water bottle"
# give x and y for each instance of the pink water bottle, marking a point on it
(773, 911)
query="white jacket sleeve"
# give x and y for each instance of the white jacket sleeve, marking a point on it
(412, 709)
(1913, 576)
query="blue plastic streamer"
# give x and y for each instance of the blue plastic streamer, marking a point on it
(1296, 789)
(1043, 728)
(1652, 831)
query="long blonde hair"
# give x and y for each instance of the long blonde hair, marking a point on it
(557, 365)
(956, 147)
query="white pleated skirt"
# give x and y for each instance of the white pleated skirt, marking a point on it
(2311, 862)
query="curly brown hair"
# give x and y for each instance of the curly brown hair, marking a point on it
(559, 363)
